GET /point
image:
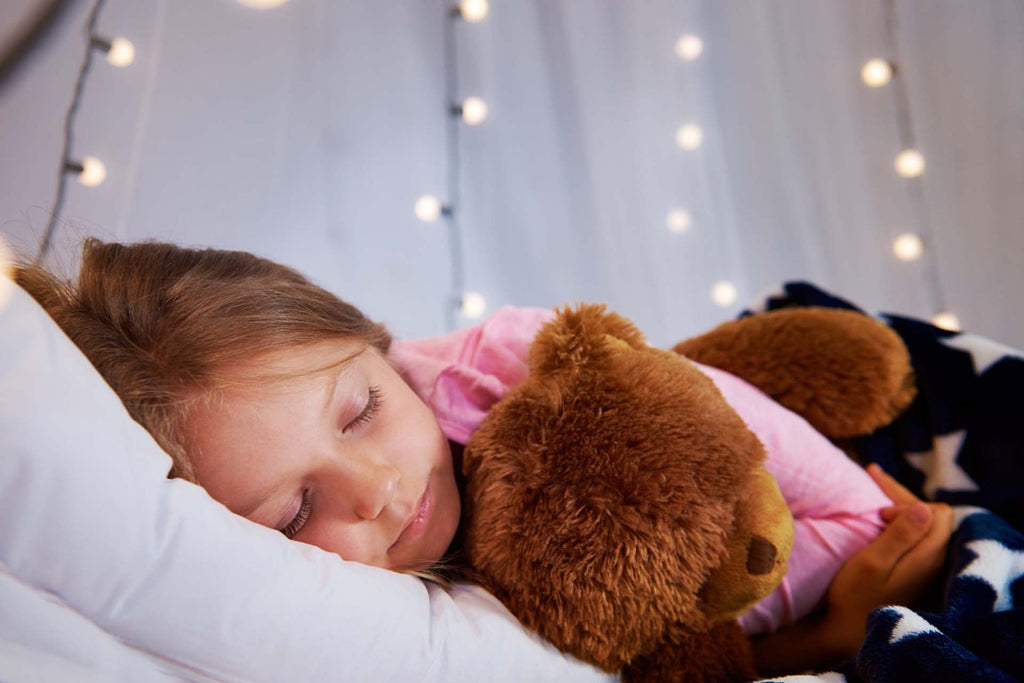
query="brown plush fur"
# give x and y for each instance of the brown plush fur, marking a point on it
(618, 505)
(844, 372)
(602, 492)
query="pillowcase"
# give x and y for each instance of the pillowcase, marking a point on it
(89, 515)
(49, 641)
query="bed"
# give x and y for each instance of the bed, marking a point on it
(110, 571)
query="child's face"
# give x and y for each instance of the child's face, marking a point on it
(351, 460)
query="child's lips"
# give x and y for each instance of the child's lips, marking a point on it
(417, 522)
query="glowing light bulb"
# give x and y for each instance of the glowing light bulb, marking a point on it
(946, 321)
(474, 110)
(121, 52)
(428, 208)
(689, 47)
(473, 305)
(908, 247)
(723, 293)
(689, 137)
(910, 163)
(678, 220)
(261, 4)
(876, 73)
(93, 172)
(6, 275)
(473, 11)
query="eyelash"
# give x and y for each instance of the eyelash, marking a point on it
(373, 404)
(301, 516)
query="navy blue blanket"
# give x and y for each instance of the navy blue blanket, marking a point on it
(960, 442)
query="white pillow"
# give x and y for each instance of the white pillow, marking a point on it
(87, 513)
(49, 641)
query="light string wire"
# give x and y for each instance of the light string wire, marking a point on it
(69, 119)
(450, 210)
(455, 297)
(905, 131)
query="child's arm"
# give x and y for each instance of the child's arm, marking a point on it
(895, 568)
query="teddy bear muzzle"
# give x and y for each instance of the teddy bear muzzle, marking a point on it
(761, 542)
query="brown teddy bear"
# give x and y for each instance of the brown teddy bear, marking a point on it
(619, 506)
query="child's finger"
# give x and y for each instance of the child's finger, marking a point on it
(892, 512)
(905, 531)
(897, 493)
(923, 562)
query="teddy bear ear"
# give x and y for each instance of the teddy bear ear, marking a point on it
(580, 334)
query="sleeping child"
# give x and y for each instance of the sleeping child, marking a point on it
(295, 410)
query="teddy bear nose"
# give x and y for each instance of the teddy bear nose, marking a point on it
(760, 555)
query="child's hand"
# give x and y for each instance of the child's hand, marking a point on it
(894, 569)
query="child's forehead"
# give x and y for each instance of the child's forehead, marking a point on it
(297, 365)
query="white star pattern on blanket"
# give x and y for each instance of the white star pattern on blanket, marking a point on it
(984, 352)
(996, 565)
(939, 465)
(910, 624)
(829, 677)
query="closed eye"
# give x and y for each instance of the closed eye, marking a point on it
(373, 403)
(301, 517)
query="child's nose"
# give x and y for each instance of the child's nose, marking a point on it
(373, 488)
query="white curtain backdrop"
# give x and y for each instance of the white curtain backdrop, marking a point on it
(307, 132)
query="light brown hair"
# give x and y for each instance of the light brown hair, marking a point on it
(161, 323)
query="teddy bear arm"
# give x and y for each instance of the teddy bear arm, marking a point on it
(720, 654)
(844, 372)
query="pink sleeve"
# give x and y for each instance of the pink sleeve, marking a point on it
(833, 500)
(460, 375)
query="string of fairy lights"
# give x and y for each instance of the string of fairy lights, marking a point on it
(90, 171)
(469, 111)
(879, 72)
(689, 137)
(909, 164)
